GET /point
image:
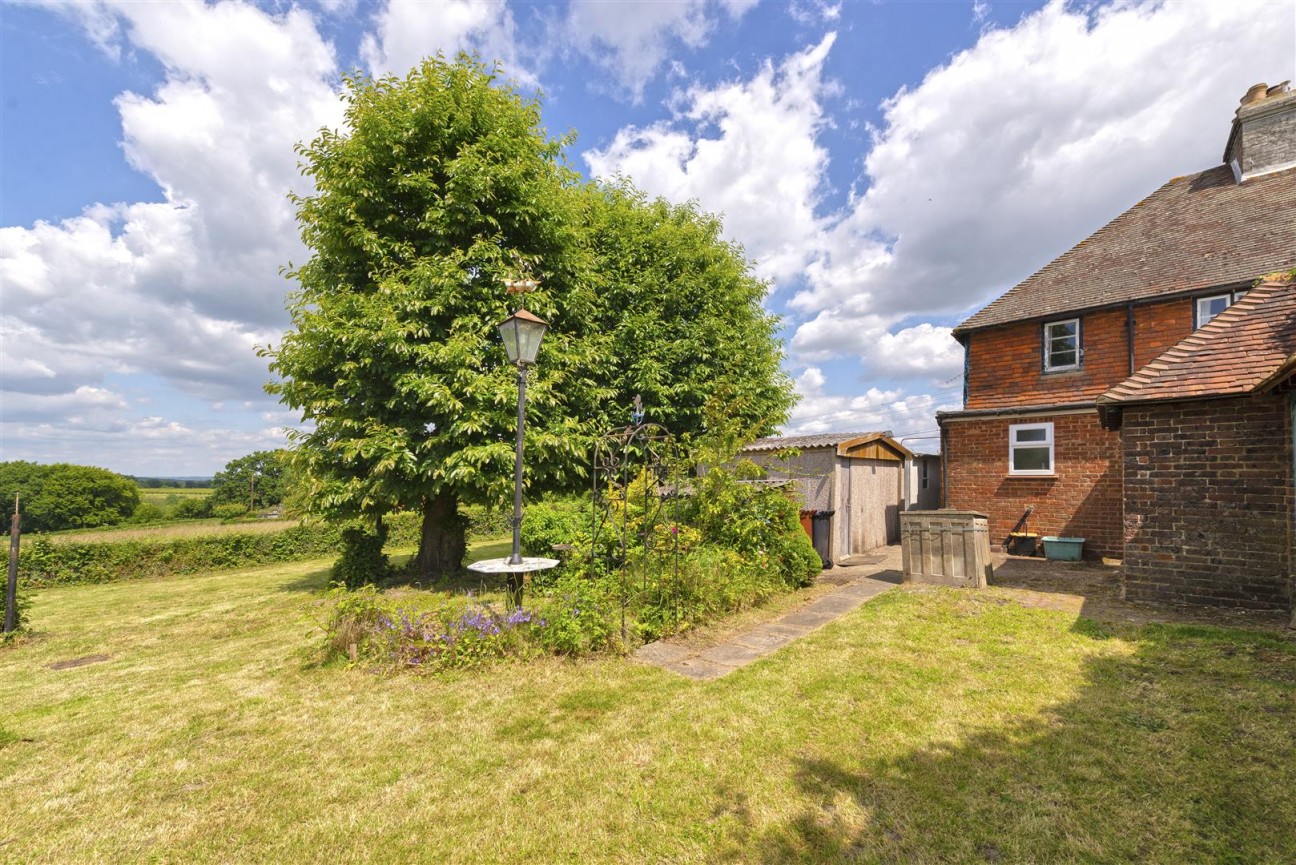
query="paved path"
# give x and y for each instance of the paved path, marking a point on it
(856, 584)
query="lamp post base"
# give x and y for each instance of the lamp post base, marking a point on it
(516, 571)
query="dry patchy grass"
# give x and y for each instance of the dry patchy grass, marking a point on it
(935, 726)
(163, 495)
(187, 529)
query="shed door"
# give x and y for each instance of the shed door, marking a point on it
(874, 504)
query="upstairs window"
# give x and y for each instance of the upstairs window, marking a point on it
(1062, 345)
(1209, 307)
(1030, 449)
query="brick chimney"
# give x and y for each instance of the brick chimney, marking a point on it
(1263, 138)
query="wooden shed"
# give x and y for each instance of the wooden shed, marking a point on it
(860, 477)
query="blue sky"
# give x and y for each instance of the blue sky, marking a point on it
(890, 167)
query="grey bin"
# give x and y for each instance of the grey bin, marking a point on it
(821, 536)
(946, 548)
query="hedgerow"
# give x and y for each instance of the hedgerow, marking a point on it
(42, 563)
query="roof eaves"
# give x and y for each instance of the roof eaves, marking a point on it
(1132, 391)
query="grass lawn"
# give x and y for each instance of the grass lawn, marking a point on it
(927, 726)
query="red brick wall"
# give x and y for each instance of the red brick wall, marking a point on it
(1209, 502)
(1157, 327)
(1082, 499)
(1005, 364)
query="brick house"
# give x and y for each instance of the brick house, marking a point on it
(1030, 437)
(1206, 442)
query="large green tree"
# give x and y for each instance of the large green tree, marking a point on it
(257, 480)
(677, 317)
(64, 496)
(443, 184)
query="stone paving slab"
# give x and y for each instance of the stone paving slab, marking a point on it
(779, 626)
(769, 637)
(811, 619)
(865, 589)
(835, 604)
(733, 654)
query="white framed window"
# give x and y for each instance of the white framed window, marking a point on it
(1209, 307)
(1062, 345)
(925, 478)
(1030, 449)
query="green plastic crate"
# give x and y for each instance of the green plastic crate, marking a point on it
(1063, 549)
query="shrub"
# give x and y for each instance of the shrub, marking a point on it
(755, 521)
(487, 522)
(231, 511)
(147, 512)
(363, 560)
(190, 508)
(580, 615)
(352, 620)
(556, 521)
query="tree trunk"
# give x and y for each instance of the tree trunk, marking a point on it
(441, 544)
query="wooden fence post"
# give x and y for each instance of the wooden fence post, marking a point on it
(11, 590)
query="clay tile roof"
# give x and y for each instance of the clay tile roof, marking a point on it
(1195, 232)
(1242, 350)
(823, 440)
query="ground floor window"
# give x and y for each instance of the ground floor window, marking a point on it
(1030, 449)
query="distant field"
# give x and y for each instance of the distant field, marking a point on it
(160, 495)
(192, 528)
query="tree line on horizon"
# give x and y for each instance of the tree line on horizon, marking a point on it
(61, 496)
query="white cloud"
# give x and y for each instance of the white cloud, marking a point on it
(813, 12)
(96, 20)
(184, 288)
(410, 30)
(149, 445)
(996, 162)
(811, 381)
(74, 406)
(745, 149)
(339, 8)
(633, 39)
(920, 350)
(1022, 145)
(874, 409)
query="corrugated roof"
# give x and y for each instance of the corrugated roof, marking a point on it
(1195, 232)
(822, 440)
(1237, 352)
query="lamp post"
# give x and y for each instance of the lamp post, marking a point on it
(521, 333)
